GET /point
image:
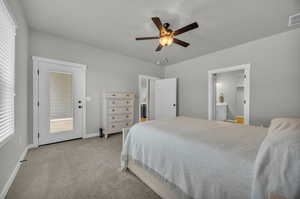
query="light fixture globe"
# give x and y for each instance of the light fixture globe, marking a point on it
(166, 40)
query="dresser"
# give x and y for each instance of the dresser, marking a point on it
(118, 111)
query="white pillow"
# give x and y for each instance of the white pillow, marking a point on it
(281, 126)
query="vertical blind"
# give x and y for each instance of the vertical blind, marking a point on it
(7, 87)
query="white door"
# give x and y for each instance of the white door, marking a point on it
(165, 98)
(61, 102)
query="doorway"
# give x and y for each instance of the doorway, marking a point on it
(59, 101)
(157, 98)
(229, 94)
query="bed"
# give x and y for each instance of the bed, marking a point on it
(193, 158)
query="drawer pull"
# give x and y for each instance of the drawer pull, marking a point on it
(112, 126)
(127, 124)
(114, 95)
(113, 118)
(127, 102)
(113, 110)
(127, 116)
(127, 109)
(113, 102)
(127, 95)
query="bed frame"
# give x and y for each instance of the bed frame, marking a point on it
(162, 189)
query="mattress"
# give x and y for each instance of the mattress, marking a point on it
(197, 158)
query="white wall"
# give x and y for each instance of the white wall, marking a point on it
(106, 70)
(11, 151)
(275, 71)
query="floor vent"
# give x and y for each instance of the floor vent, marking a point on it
(294, 19)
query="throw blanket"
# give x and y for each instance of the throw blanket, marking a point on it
(199, 159)
(277, 167)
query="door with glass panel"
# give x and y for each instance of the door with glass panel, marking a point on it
(60, 90)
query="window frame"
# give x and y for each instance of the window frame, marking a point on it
(6, 137)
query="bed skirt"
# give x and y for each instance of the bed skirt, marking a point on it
(164, 190)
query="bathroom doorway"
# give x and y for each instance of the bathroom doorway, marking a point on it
(229, 94)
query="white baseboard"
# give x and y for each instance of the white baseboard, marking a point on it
(14, 173)
(31, 146)
(89, 135)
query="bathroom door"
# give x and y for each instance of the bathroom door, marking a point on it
(165, 98)
(61, 102)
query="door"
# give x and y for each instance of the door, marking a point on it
(165, 98)
(60, 110)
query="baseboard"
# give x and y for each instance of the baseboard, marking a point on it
(14, 173)
(89, 135)
(32, 146)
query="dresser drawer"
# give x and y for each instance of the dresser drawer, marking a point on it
(116, 102)
(119, 110)
(117, 118)
(119, 95)
(119, 125)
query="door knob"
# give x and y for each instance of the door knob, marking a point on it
(79, 101)
(174, 104)
(79, 106)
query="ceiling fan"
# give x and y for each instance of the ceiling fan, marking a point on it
(167, 36)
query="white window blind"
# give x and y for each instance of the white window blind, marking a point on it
(7, 86)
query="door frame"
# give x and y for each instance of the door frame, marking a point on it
(212, 90)
(140, 80)
(35, 74)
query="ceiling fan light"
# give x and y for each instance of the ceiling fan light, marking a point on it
(166, 40)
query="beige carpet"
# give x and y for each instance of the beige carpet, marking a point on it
(79, 169)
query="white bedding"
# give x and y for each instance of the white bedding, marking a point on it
(277, 166)
(198, 158)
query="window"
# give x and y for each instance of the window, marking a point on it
(7, 81)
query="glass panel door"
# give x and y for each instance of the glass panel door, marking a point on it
(61, 102)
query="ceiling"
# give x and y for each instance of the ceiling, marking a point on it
(113, 24)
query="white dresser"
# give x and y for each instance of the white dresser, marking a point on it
(118, 111)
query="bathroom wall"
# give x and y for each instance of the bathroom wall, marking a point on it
(230, 85)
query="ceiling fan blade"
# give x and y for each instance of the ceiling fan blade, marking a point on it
(159, 47)
(157, 22)
(186, 28)
(181, 43)
(146, 38)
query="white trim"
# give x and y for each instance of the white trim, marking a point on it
(84, 133)
(7, 10)
(90, 135)
(211, 90)
(148, 77)
(140, 80)
(14, 174)
(35, 100)
(55, 61)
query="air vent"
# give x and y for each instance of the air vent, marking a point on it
(294, 19)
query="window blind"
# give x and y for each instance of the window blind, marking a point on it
(7, 87)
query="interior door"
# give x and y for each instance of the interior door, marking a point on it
(60, 102)
(165, 98)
